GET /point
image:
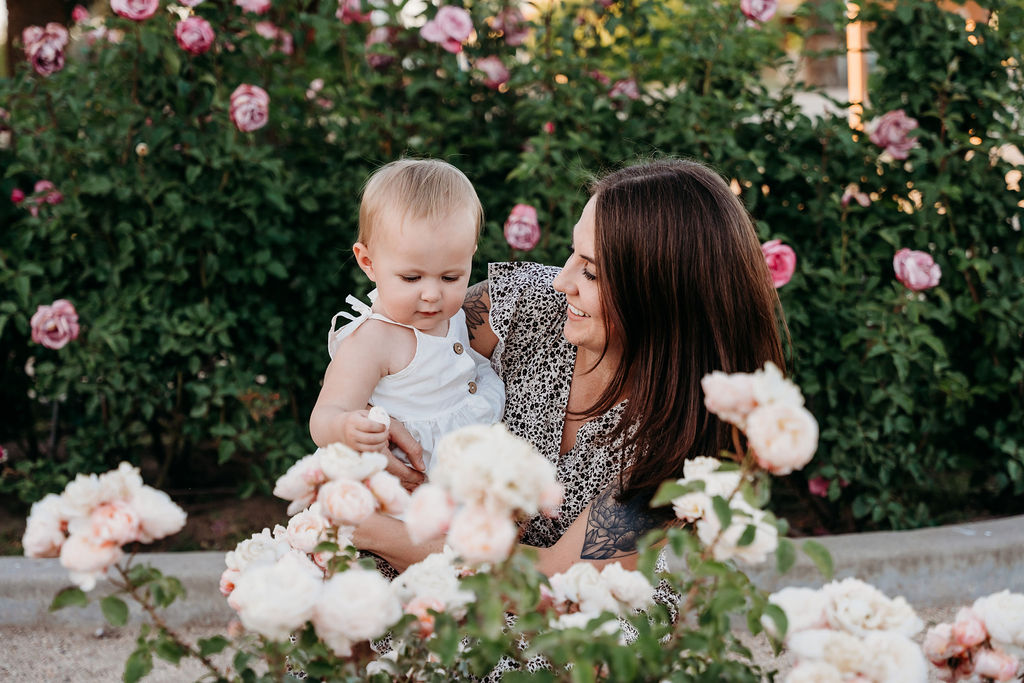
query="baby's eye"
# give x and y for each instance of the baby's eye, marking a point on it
(409, 278)
(451, 278)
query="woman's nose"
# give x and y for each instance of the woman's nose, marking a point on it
(563, 281)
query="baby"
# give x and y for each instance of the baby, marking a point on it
(408, 352)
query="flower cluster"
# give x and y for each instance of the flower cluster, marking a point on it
(985, 640)
(43, 193)
(451, 27)
(55, 325)
(582, 593)
(44, 47)
(705, 479)
(850, 631)
(916, 270)
(891, 132)
(782, 434)
(87, 525)
(522, 230)
(781, 260)
(483, 477)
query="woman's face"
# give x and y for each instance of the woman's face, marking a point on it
(578, 280)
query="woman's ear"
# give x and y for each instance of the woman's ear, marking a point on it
(363, 259)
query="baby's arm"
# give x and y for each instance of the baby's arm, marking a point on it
(340, 414)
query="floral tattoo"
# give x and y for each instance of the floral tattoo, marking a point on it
(476, 306)
(613, 527)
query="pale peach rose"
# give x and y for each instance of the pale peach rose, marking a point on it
(87, 560)
(895, 658)
(630, 588)
(939, 644)
(388, 489)
(158, 515)
(582, 585)
(771, 386)
(356, 605)
(136, 10)
(729, 396)
(114, 522)
(418, 607)
(44, 530)
(783, 437)
(691, 506)
(122, 483)
(551, 497)
(343, 501)
(276, 599)
(995, 664)
(916, 270)
(83, 493)
(338, 461)
(429, 513)
(436, 578)
(262, 548)
(300, 483)
(478, 535)
(968, 629)
(306, 529)
(228, 581)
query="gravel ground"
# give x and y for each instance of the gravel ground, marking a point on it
(81, 655)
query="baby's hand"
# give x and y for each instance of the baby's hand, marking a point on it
(363, 434)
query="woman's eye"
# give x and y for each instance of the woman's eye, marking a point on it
(587, 274)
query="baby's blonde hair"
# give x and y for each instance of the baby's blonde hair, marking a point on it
(419, 188)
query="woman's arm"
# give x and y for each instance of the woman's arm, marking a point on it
(386, 536)
(606, 531)
(477, 306)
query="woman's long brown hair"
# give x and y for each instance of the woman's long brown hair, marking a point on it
(685, 288)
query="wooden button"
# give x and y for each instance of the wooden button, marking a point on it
(458, 347)
(472, 387)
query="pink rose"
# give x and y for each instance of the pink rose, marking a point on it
(917, 270)
(429, 513)
(17, 196)
(818, 486)
(495, 72)
(285, 42)
(729, 396)
(382, 35)
(938, 645)
(522, 231)
(254, 6)
(44, 47)
(600, 77)
(512, 25)
(250, 107)
(194, 35)
(995, 664)
(890, 132)
(47, 192)
(79, 14)
(627, 87)
(968, 629)
(55, 325)
(782, 436)
(3, 455)
(344, 501)
(351, 12)
(136, 10)
(549, 127)
(852, 191)
(781, 260)
(450, 27)
(759, 10)
(479, 535)
(114, 522)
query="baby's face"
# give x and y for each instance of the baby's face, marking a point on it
(422, 269)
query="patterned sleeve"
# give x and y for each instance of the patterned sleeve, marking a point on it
(520, 290)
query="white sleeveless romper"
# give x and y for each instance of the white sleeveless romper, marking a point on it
(447, 384)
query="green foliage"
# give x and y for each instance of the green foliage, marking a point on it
(206, 265)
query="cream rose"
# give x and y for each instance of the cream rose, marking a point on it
(274, 600)
(724, 543)
(860, 608)
(782, 436)
(430, 512)
(300, 483)
(729, 396)
(158, 515)
(630, 588)
(583, 585)
(1003, 614)
(804, 608)
(87, 560)
(44, 530)
(343, 501)
(356, 605)
(479, 535)
(338, 461)
(388, 489)
(306, 529)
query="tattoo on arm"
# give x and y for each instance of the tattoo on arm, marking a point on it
(476, 306)
(613, 528)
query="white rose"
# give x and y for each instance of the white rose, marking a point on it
(630, 588)
(158, 515)
(389, 491)
(479, 535)
(228, 580)
(691, 506)
(346, 501)
(81, 495)
(804, 608)
(894, 659)
(338, 461)
(729, 396)
(843, 651)
(1003, 614)
(860, 608)
(306, 529)
(435, 577)
(766, 536)
(121, 483)
(771, 388)
(814, 672)
(430, 512)
(300, 483)
(44, 530)
(87, 560)
(581, 619)
(355, 605)
(699, 467)
(583, 585)
(261, 548)
(274, 600)
(782, 436)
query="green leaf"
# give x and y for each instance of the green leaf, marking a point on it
(722, 511)
(69, 597)
(115, 610)
(821, 557)
(747, 537)
(785, 555)
(667, 492)
(139, 664)
(775, 613)
(211, 646)
(169, 651)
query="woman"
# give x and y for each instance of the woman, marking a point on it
(602, 359)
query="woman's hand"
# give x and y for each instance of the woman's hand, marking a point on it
(386, 536)
(413, 476)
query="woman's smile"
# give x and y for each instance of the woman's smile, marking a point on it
(576, 312)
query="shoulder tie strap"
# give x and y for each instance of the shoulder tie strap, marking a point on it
(364, 312)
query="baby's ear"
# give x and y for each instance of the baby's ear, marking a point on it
(364, 260)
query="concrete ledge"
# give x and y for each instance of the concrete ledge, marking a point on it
(942, 566)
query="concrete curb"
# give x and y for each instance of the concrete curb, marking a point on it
(942, 566)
